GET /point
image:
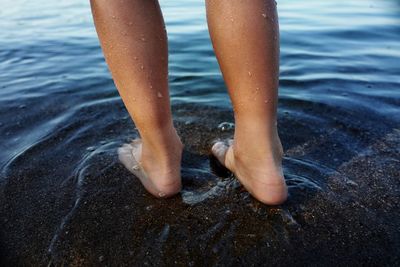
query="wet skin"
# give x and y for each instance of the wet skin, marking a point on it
(245, 38)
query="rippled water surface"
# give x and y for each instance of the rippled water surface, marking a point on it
(65, 198)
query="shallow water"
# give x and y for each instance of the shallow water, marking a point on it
(65, 198)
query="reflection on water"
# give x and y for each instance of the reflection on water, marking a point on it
(66, 198)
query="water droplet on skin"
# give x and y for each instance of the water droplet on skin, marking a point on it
(136, 58)
(141, 67)
(264, 15)
(113, 17)
(161, 194)
(151, 86)
(143, 39)
(159, 95)
(249, 73)
(266, 101)
(257, 89)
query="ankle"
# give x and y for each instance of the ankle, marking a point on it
(161, 139)
(164, 150)
(259, 142)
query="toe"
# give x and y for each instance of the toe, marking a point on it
(219, 150)
(129, 155)
(125, 156)
(136, 149)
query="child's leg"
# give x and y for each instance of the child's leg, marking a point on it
(134, 42)
(245, 37)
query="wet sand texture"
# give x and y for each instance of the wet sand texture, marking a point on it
(100, 214)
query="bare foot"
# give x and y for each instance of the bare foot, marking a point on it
(260, 173)
(159, 174)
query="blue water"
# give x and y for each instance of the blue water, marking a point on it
(340, 55)
(61, 118)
